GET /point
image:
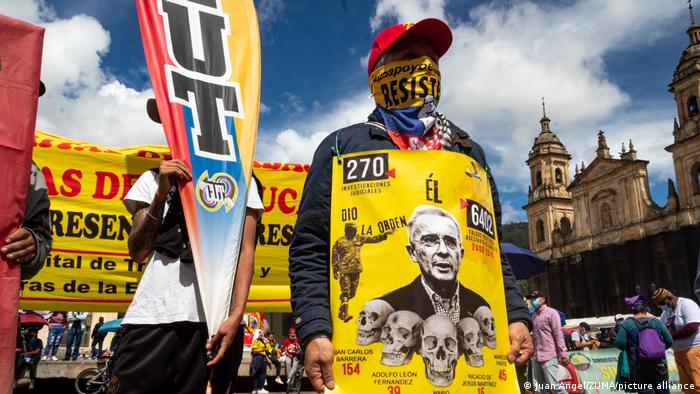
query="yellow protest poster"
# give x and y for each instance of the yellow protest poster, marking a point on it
(416, 288)
(282, 184)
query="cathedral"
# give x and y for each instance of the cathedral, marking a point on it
(601, 233)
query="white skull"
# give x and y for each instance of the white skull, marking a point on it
(471, 341)
(439, 349)
(484, 316)
(371, 320)
(401, 337)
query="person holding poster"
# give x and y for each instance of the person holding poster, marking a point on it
(165, 340)
(344, 186)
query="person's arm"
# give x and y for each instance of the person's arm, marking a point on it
(241, 287)
(686, 330)
(555, 326)
(663, 331)
(148, 217)
(690, 312)
(309, 249)
(30, 244)
(308, 270)
(621, 339)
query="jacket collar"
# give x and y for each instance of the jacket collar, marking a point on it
(461, 137)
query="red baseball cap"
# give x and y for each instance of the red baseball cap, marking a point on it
(433, 30)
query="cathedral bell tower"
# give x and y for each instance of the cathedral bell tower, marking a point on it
(549, 206)
(686, 127)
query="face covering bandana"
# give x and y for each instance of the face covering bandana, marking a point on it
(407, 93)
(536, 304)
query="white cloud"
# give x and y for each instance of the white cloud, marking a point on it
(504, 58)
(264, 109)
(299, 145)
(82, 101)
(406, 11)
(511, 214)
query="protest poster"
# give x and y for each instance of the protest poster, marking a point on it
(204, 61)
(89, 268)
(20, 65)
(282, 184)
(416, 287)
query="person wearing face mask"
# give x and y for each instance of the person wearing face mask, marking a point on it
(581, 337)
(550, 350)
(405, 82)
(682, 318)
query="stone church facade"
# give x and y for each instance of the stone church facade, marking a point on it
(601, 233)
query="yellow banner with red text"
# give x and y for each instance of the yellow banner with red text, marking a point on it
(89, 268)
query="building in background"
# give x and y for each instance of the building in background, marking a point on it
(602, 234)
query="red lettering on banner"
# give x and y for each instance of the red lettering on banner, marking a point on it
(71, 181)
(45, 143)
(272, 166)
(128, 180)
(273, 190)
(50, 184)
(286, 209)
(148, 154)
(280, 199)
(102, 178)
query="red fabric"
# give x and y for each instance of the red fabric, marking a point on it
(573, 384)
(154, 48)
(406, 141)
(435, 31)
(20, 65)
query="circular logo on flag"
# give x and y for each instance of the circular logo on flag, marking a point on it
(219, 190)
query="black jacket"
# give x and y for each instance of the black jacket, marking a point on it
(413, 297)
(309, 258)
(37, 220)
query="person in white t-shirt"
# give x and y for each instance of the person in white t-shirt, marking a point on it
(165, 340)
(581, 337)
(682, 318)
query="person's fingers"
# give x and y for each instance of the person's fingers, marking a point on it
(327, 371)
(17, 245)
(18, 234)
(316, 379)
(219, 356)
(513, 353)
(211, 342)
(184, 169)
(22, 254)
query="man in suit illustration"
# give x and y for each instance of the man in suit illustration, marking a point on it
(435, 244)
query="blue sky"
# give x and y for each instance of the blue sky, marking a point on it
(600, 64)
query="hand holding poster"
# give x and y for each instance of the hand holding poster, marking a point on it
(417, 292)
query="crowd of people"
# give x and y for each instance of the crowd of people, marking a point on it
(642, 339)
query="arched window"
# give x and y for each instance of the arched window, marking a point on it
(692, 106)
(538, 178)
(695, 178)
(558, 178)
(565, 226)
(540, 231)
(606, 216)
